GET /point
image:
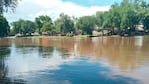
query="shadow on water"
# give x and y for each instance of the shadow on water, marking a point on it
(4, 79)
(81, 71)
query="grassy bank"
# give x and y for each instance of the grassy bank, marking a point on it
(57, 37)
(79, 36)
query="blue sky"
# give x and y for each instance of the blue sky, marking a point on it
(93, 2)
(29, 9)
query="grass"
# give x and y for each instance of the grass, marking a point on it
(78, 36)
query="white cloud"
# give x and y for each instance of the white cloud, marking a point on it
(29, 9)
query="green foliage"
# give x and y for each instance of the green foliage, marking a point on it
(46, 27)
(143, 14)
(124, 15)
(43, 23)
(4, 27)
(128, 13)
(86, 24)
(23, 26)
(99, 18)
(64, 24)
(7, 4)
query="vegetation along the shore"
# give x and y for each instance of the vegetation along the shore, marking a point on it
(130, 17)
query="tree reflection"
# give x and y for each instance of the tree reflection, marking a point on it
(126, 53)
(4, 79)
(121, 52)
(46, 52)
(3, 68)
(63, 52)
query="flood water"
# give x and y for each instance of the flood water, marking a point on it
(102, 60)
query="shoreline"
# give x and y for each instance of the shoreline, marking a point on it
(79, 36)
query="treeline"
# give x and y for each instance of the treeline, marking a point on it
(121, 18)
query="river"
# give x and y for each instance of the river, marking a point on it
(97, 60)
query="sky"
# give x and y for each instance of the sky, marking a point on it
(29, 9)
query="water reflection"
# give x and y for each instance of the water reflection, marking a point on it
(45, 52)
(26, 60)
(103, 60)
(126, 53)
(4, 79)
(34, 69)
(80, 71)
(3, 68)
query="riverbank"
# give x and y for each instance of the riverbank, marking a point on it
(78, 36)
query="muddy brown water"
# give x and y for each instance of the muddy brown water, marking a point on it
(97, 60)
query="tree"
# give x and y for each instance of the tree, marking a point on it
(28, 27)
(127, 14)
(86, 24)
(107, 20)
(23, 26)
(4, 27)
(43, 23)
(7, 4)
(143, 14)
(46, 27)
(99, 18)
(64, 23)
(16, 27)
(57, 26)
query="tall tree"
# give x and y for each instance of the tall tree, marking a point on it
(64, 23)
(43, 23)
(99, 18)
(4, 27)
(86, 24)
(143, 14)
(47, 27)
